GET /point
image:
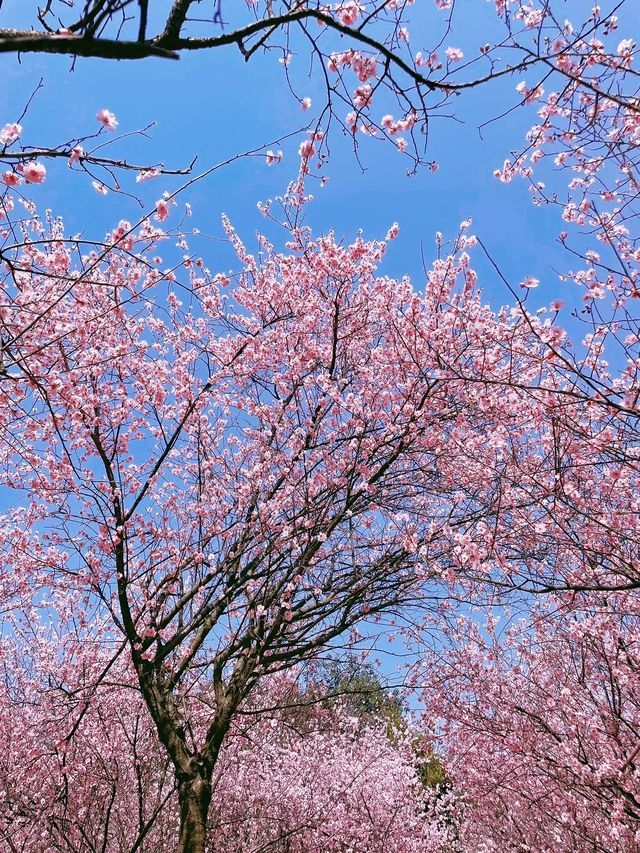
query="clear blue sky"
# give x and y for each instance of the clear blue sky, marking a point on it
(213, 104)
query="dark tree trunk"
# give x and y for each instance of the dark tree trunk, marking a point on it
(194, 793)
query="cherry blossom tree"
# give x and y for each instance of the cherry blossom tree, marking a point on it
(541, 727)
(233, 474)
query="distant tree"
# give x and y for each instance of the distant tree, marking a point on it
(358, 688)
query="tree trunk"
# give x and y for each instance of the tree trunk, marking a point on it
(194, 793)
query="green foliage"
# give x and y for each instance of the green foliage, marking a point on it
(429, 767)
(358, 688)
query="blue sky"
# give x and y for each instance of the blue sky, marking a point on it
(213, 105)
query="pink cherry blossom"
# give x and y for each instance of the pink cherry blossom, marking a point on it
(349, 12)
(273, 157)
(107, 119)
(77, 153)
(306, 149)
(529, 282)
(162, 210)
(625, 48)
(454, 54)
(147, 175)
(34, 172)
(9, 133)
(11, 179)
